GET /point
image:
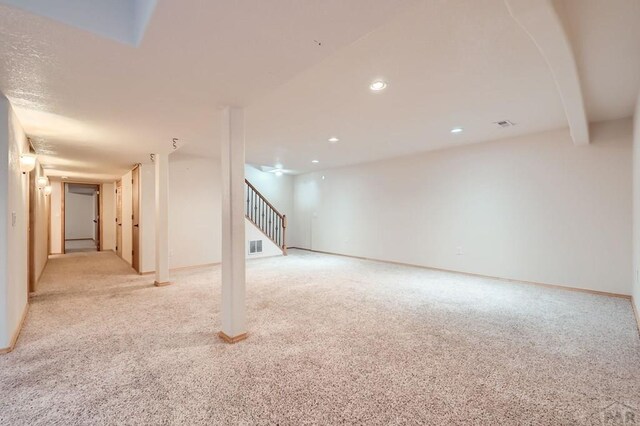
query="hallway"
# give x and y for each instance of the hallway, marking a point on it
(103, 345)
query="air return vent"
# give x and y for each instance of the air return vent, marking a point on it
(505, 123)
(255, 247)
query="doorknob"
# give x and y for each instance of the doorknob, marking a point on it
(136, 225)
(95, 221)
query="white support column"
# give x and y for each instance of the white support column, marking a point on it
(233, 310)
(162, 219)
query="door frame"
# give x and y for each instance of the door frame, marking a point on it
(98, 218)
(135, 218)
(118, 202)
(31, 242)
(63, 191)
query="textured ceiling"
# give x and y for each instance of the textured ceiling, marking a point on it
(94, 106)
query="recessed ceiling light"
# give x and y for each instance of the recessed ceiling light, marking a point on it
(315, 161)
(456, 130)
(278, 166)
(333, 139)
(65, 177)
(378, 85)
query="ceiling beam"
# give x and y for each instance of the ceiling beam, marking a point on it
(539, 19)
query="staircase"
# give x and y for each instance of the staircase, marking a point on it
(265, 217)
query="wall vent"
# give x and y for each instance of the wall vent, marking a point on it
(255, 247)
(505, 123)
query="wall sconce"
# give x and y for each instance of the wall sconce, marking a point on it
(47, 190)
(27, 162)
(42, 182)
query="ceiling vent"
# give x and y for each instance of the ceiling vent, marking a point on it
(505, 123)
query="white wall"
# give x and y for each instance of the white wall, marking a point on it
(108, 220)
(278, 190)
(14, 220)
(79, 213)
(534, 208)
(636, 208)
(252, 233)
(194, 212)
(147, 218)
(127, 222)
(56, 242)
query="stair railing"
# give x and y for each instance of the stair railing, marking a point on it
(267, 218)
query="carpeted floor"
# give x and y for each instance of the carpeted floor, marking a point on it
(332, 341)
(77, 246)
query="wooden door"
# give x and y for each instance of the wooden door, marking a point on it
(63, 236)
(135, 216)
(32, 231)
(96, 219)
(119, 218)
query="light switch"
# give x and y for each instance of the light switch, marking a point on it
(13, 219)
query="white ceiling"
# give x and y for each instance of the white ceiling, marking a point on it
(94, 106)
(121, 20)
(605, 36)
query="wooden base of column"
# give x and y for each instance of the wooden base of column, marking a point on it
(162, 284)
(235, 339)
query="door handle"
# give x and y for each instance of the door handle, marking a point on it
(136, 225)
(119, 224)
(95, 221)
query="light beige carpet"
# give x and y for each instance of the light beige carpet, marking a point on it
(332, 341)
(77, 246)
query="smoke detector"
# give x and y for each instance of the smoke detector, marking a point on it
(505, 123)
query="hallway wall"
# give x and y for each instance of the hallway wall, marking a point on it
(533, 208)
(108, 222)
(636, 209)
(14, 222)
(56, 242)
(127, 222)
(42, 223)
(147, 218)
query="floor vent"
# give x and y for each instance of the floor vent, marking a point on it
(255, 247)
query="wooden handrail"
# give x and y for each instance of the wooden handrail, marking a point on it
(263, 198)
(266, 217)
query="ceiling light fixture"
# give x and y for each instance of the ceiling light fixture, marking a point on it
(47, 190)
(278, 173)
(456, 130)
(278, 166)
(27, 162)
(333, 139)
(65, 177)
(315, 161)
(41, 182)
(378, 85)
